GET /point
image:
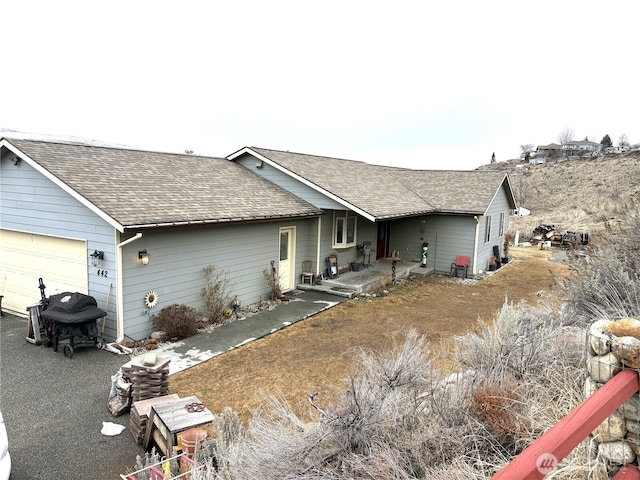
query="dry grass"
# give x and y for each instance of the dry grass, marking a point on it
(315, 355)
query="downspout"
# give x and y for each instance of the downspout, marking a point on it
(475, 246)
(120, 288)
(318, 246)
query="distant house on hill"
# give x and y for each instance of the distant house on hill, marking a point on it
(581, 147)
(618, 149)
(545, 151)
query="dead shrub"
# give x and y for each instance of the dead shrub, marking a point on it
(216, 294)
(177, 321)
(498, 405)
(607, 284)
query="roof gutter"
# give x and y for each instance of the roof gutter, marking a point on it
(120, 288)
(189, 223)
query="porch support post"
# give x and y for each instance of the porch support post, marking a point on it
(318, 246)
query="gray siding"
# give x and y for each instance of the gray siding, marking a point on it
(289, 183)
(448, 237)
(241, 252)
(29, 202)
(365, 231)
(500, 204)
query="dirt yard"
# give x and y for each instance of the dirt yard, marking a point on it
(314, 356)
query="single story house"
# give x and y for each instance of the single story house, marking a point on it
(579, 147)
(117, 223)
(545, 151)
(393, 209)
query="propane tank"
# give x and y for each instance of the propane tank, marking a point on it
(425, 254)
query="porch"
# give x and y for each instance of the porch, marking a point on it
(370, 278)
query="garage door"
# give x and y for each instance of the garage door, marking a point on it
(24, 258)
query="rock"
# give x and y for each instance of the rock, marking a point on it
(602, 367)
(598, 338)
(631, 408)
(627, 349)
(590, 387)
(634, 441)
(619, 452)
(624, 327)
(632, 426)
(158, 336)
(612, 429)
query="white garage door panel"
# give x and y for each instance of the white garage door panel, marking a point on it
(24, 258)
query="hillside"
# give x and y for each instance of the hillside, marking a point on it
(587, 195)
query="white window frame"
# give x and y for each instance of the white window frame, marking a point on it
(502, 217)
(344, 216)
(487, 230)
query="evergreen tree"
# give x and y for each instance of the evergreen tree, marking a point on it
(606, 141)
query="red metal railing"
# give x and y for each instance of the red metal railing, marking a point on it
(563, 437)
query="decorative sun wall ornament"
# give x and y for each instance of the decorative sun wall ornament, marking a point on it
(151, 299)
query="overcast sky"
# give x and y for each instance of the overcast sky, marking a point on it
(437, 85)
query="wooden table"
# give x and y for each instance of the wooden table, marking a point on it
(168, 420)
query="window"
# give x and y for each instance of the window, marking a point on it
(284, 246)
(344, 229)
(501, 225)
(487, 232)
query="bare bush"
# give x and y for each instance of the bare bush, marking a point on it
(216, 294)
(177, 321)
(510, 346)
(380, 426)
(397, 417)
(607, 284)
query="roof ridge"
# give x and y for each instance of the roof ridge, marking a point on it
(106, 147)
(313, 155)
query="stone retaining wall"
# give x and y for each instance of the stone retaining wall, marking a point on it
(611, 346)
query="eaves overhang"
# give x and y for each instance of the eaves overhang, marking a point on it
(224, 221)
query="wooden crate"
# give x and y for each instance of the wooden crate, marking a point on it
(139, 415)
(168, 420)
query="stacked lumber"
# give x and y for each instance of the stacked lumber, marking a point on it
(139, 415)
(149, 377)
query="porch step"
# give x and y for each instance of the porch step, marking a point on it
(353, 283)
(333, 290)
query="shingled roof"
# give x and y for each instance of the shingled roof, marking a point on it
(137, 189)
(386, 192)
(454, 191)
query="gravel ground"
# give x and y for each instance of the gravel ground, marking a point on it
(54, 408)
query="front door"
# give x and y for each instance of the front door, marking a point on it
(287, 264)
(384, 230)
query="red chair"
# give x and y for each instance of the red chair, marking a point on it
(461, 264)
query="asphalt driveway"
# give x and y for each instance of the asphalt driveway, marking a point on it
(54, 408)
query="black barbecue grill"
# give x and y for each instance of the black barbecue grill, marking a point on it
(71, 317)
